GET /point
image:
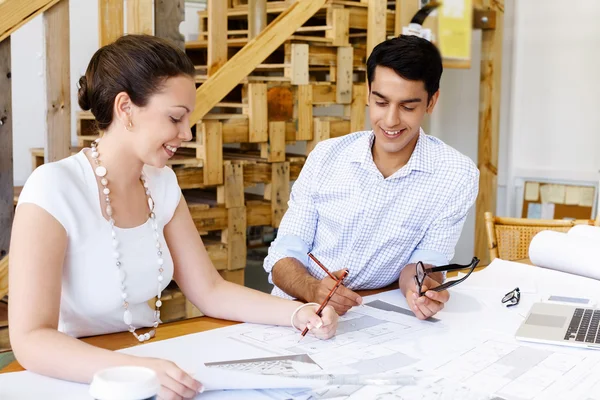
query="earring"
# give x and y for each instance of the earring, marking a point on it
(129, 126)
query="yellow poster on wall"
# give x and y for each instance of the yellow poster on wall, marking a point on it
(455, 25)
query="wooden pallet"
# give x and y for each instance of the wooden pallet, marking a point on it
(296, 62)
(213, 211)
(176, 307)
(255, 171)
(336, 23)
(276, 114)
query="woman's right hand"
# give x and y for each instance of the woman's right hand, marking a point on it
(176, 384)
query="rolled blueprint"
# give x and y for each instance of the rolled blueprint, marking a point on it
(591, 232)
(567, 253)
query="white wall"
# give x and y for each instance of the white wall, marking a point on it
(554, 112)
(28, 95)
(83, 18)
(189, 27)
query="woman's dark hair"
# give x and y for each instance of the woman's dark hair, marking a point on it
(412, 57)
(136, 64)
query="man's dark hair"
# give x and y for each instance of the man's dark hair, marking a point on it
(412, 57)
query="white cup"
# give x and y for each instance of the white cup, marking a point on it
(125, 383)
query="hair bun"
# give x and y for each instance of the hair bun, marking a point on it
(82, 94)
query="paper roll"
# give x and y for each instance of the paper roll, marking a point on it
(587, 231)
(567, 253)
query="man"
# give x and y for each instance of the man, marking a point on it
(377, 202)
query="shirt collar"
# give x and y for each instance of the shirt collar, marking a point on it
(420, 160)
(361, 149)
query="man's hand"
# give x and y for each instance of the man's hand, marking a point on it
(424, 306)
(342, 300)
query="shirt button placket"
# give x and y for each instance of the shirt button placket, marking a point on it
(363, 237)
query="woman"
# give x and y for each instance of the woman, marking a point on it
(99, 234)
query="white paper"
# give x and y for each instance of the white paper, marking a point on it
(587, 195)
(532, 191)
(557, 194)
(572, 195)
(567, 253)
(359, 346)
(26, 385)
(510, 369)
(427, 388)
(501, 278)
(223, 379)
(545, 193)
(547, 211)
(585, 231)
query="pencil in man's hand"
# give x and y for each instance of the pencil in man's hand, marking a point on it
(322, 267)
(329, 296)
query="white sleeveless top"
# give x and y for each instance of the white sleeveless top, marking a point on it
(91, 302)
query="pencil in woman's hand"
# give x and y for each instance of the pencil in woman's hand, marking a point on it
(324, 303)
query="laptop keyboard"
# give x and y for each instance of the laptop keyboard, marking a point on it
(584, 326)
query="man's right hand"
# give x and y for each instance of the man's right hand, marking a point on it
(342, 300)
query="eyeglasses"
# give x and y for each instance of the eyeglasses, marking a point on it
(512, 298)
(422, 272)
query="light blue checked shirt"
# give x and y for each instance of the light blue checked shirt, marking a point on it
(348, 215)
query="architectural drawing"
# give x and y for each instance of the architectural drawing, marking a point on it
(512, 371)
(427, 388)
(280, 365)
(382, 305)
(359, 346)
(381, 340)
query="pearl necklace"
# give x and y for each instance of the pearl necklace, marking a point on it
(127, 316)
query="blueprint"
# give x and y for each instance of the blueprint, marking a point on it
(358, 352)
(359, 347)
(380, 340)
(376, 350)
(428, 388)
(514, 371)
(382, 305)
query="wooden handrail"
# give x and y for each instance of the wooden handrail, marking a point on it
(251, 55)
(15, 13)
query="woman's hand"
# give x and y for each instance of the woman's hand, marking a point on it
(322, 327)
(176, 384)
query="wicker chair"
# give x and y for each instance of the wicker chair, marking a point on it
(509, 238)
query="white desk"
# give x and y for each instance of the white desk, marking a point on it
(473, 325)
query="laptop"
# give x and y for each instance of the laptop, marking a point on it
(567, 325)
